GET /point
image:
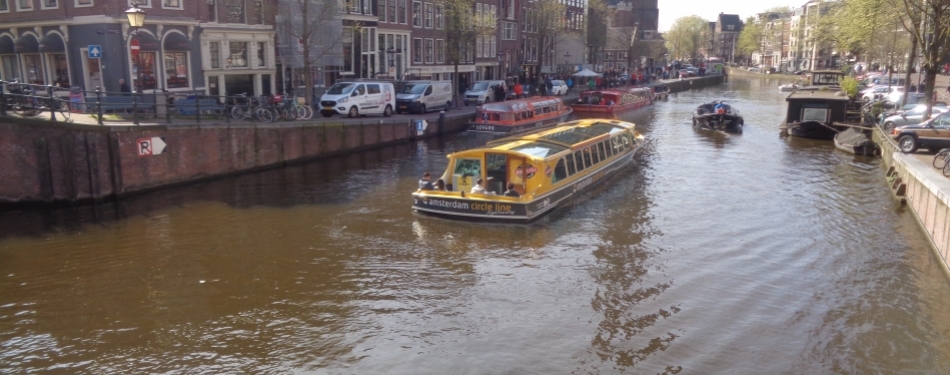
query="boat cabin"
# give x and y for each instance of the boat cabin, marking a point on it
(519, 110)
(826, 106)
(826, 78)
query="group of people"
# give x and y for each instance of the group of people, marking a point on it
(426, 184)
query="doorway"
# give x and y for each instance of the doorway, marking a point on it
(92, 72)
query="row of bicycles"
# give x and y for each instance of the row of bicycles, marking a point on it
(26, 102)
(268, 108)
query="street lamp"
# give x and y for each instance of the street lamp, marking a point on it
(136, 21)
(501, 61)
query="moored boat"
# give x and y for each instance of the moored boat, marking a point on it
(611, 102)
(547, 169)
(856, 140)
(516, 116)
(813, 113)
(788, 87)
(727, 119)
(661, 92)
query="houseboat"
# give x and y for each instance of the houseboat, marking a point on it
(548, 169)
(607, 103)
(814, 112)
(828, 78)
(517, 116)
(727, 119)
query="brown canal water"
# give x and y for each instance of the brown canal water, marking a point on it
(715, 254)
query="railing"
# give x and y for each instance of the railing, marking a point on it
(28, 100)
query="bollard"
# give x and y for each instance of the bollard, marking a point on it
(198, 108)
(168, 112)
(3, 100)
(52, 102)
(99, 104)
(412, 129)
(135, 107)
(227, 111)
(441, 122)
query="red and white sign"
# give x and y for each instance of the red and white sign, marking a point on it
(134, 47)
(150, 146)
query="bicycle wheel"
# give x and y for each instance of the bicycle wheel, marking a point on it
(288, 113)
(308, 112)
(940, 159)
(239, 112)
(265, 115)
(61, 107)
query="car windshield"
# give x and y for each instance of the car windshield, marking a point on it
(414, 89)
(480, 86)
(341, 88)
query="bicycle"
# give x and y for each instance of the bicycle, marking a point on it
(941, 158)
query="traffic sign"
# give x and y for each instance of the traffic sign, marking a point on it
(134, 47)
(94, 51)
(150, 146)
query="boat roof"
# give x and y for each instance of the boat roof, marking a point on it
(520, 104)
(837, 72)
(552, 141)
(811, 94)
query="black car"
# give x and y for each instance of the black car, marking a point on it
(932, 134)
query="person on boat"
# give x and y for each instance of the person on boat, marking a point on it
(425, 183)
(511, 192)
(440, 185)
(720, 110)
(479, 187)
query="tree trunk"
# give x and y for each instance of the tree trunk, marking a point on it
(910, 63)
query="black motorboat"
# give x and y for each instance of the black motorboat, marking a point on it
(727, 119)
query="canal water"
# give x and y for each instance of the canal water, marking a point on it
(715, 254)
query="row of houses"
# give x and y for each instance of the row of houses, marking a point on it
(223, 47)
(786, 43)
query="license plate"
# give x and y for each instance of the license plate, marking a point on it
(402, 107)
(328, 108)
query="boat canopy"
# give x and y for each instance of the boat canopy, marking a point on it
(517, 110)
(558, 139)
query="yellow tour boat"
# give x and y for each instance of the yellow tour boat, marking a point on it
(547, 168)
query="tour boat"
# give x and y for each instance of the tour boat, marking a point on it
(706, 117)
(613, 101)
(516, 116)
(549, 168)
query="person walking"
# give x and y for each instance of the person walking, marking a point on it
(569, 83)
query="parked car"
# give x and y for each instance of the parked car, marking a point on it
(912, 116)
(693, 71)
(358, 98)
(421, 96)
(879, 92)
(559, 87)
(481, 92)
(932, 134)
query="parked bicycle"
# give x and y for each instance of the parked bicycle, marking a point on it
(22, 99)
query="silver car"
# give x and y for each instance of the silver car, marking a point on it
(913, 116)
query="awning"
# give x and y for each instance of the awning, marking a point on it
(176, 42)
(147, 42)
(6, 44)
(52, 43)
(26, 44)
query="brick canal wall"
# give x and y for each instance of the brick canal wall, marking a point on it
(43, 162)
(922, 188)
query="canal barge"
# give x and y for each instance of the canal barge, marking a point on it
(548, 169)
(518, 116)
(815, 113)
(727, 119)
(608, 103)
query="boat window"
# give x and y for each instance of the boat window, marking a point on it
(497, 170)
(570, 165)
(580, 160)
(587, 159)
(594, 154)
(495, 116)
(465, 173)
(602, 148)
(626, 141)
(560, 172)
(537, 111)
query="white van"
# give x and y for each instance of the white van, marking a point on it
(421, 96)
(481, 92)
(359, 98)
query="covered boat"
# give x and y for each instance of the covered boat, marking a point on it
(856, 140)
(547, 169)
(516, 116)
(727, 119)
(788, 87)
(661, 92)
(606, 103)
(813, 112)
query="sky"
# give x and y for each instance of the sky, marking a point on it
(670, 10)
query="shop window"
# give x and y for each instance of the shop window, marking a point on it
(176, 69)
(9, 68)
(60, 69)
(261, 59)
(34, 69)
(238, 55)
(144, 65)
(214, 53)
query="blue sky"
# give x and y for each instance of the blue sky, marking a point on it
(670, 10)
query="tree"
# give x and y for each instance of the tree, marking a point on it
(550, 26)
(598, 22)
(462, 27)
(750, 38)
(308, 26)
(685, 38)
(928, 22)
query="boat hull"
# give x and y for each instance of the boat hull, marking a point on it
(727, 122)
(597, 110)
(811, 129)
(520, 127)
(856, 141)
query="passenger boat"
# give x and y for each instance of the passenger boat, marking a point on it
(813, 112)
(548, 168)
(516, 116)
(661, 92)
(610, 102)
(729, 120)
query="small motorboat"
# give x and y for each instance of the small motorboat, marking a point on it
(661, 92)
(789, 87)
(727, 119)
(856, 140)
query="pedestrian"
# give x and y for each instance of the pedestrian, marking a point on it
(591, 84)
(948, 91)
(569, 83)
(912, 88)
(519, 91)
(124, 87)
(548, 84)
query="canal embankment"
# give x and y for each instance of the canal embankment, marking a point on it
(56, 162)
(921, 188)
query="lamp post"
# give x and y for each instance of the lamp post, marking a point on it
(501, 61)
(136, 20)
(567, 56)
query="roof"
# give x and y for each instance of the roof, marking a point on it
(830, 95)
(730, 19)
(561, 138)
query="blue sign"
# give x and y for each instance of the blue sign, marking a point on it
(95, 51)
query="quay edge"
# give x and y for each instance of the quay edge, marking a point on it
(924, 190)
(44, 162)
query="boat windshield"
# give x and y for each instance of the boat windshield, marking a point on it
(539, 149)
(341, 88)
(480, 86)
(414, 89)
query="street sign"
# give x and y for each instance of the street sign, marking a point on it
(94, 51)
(134, 47)
(150, 146)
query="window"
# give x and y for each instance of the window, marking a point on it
(391, 15)
(511, 9)
(261, 61)
(439, 16)
(430, 53)
(235, 12)
(59, 69)
(347, 49)
(141, 3)
(417, 50)
(478, 46)
(212, 9)
(492, 46)
(610, 56)
(214, 54)
(579, 160)
(510, 31)
(50, 4)
(382, 10)
(428, 9)
(524, 13)
(9, 68)
(373, 88)
(402, 11)
(147, 61)
(570, 165)
(416, 14)
(34, 69)
(4, 7)
(174, 4)
(587, 158)
(176, 69)
(22, 5)
(601, 151)
(560, 172)
(238, 55)
(439, 50)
